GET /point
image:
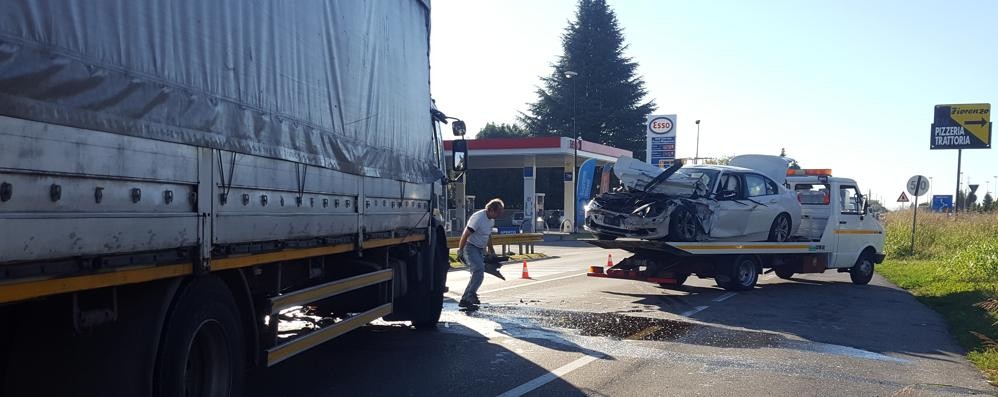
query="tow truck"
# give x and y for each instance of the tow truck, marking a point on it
(837, 232)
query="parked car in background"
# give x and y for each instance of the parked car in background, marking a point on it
(698, 203)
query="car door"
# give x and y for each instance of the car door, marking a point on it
(733, 211)
(764, 194)
(849, 231)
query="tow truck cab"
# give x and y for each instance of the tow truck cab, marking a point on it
(835, 212)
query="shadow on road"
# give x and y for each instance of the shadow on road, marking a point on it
(397, 360)
(871, 317)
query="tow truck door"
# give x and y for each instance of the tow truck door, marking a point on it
(849, 230)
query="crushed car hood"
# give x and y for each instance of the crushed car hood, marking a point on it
(640, 176)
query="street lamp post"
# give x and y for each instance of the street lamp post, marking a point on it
(696, 156)
(575, 156)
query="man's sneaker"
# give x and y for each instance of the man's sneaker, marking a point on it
(466, 304)
(474, 300)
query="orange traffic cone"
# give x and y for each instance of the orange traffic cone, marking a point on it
(609, 260)
(526, 274)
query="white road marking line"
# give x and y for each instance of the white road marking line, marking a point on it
(548, 377)
(533, 283)
(724, 297)
(695, 310)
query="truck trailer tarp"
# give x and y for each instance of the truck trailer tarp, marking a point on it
(324, 83)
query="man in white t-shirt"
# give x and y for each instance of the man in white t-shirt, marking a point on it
(474, 241)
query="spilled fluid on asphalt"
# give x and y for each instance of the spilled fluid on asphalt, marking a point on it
(612, 325)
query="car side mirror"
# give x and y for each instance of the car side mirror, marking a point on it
(866, 207)
(459, 128)
(726, 195)
(460, 158)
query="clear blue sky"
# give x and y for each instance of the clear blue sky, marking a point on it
(847, 85)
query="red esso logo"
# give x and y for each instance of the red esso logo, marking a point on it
(660, 125)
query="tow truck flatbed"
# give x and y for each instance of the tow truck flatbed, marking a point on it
(836, 232)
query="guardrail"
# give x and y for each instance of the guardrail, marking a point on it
(524, 241)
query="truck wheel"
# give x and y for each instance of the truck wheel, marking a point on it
(201, 353)
(743, 274)
(683, 225)
(429, 304)
(784, 273)
(780, 230)
(862, 272)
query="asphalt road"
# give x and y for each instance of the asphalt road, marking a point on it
(561, 333)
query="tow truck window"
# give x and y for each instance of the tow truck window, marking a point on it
(851, 201)
(756, 185)
(812, 194)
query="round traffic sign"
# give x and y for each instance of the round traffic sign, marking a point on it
(918, 185)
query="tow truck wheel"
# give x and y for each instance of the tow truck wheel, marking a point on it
(683, 225)
(862, 272)
(780, 230)
(784, 273)
(201, 353)
(743, 274)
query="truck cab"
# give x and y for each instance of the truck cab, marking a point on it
(835, 212)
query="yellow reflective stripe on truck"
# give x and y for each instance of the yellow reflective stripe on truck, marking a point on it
(38, 288)
(741, 247)
(29, 289)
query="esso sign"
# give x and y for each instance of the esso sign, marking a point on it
(660, 125)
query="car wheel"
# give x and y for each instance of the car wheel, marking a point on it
(601, 236)
(683, 225)
(862, 272)
(780, 230)
(784, 273)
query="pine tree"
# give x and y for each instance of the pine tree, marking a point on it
(988, 205)
(493, 130)
(604, 95)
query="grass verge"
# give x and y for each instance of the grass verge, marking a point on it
(954, 271)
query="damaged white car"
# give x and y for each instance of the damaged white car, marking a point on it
(698, 203)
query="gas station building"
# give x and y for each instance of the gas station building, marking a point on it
(496, 167)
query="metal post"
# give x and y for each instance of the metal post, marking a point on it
(575, 156)
(575, 167)
(959, 159)
(914, 215)
(696, 156)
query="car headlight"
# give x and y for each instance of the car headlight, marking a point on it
(591, 205)
(647, 210)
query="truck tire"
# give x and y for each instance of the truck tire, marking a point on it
(683, 225)
(742, 274)
(780, 230)
(430, 302)
(784, 273)
(202, 350)
(862, 272)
